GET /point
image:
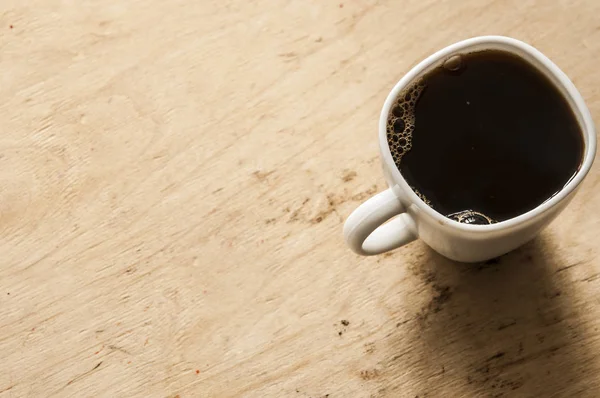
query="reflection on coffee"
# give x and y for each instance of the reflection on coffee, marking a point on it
(484, 137)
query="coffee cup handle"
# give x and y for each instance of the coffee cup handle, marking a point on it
(367, 232)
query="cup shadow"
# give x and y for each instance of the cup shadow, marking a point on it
(507, 327)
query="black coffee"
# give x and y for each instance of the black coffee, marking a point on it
(485, 137)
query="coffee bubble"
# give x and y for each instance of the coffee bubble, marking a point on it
(471, 217)
(399, 125)
(398, 111)
(454, 63)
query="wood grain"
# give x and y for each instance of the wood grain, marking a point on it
(173, 181)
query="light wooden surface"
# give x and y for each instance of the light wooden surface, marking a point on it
(174, 176)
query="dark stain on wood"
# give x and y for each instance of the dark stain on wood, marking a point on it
(568, 267)
(348, 175)
(369, 374)
(442, 294)
(506, 325)
(262, 175)
(496, 356)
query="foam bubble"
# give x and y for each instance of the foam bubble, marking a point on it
(471, 217)
(401, 121)
(422, 197)
(398, 111)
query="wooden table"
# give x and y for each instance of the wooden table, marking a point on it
(174, 176)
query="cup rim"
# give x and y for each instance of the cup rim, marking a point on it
(568, 88)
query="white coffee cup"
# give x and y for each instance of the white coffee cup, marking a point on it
(398, 216)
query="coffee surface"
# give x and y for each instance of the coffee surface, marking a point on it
(485, 137)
